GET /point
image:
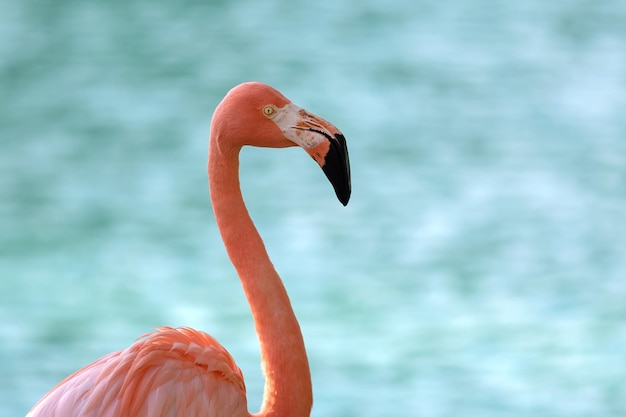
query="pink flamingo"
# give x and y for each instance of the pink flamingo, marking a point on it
(185, 372)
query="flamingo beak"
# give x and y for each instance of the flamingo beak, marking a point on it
(327, 146)
(322, 141)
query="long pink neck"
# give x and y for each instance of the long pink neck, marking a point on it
(288, 389)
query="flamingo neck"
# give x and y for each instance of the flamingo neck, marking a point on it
(288, 390)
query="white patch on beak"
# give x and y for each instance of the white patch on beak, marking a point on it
(299, 126)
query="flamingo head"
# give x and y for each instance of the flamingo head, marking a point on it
(256, 114)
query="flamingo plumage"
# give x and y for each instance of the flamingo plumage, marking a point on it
(185, 372)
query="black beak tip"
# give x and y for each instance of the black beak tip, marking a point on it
(337, 168)
(344, 198)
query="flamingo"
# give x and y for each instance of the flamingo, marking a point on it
(186, 372)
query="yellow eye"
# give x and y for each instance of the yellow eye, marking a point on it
(269, 110)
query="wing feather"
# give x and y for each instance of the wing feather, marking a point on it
(170, 372)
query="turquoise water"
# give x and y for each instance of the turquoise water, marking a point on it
(479, 269)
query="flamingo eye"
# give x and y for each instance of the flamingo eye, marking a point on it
(269, 110)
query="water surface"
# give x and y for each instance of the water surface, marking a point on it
(479, 269)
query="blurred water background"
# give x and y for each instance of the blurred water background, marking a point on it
(479, 270)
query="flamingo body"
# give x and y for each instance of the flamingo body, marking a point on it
(184, 372)
(165, 373)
